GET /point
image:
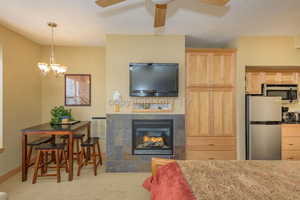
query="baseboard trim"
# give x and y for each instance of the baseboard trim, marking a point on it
(9, 174)
(12, 172)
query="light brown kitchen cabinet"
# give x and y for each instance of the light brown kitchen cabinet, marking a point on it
(254, 80)
(289, 78)
(198, 106)
(222, 72)
(198, 72)
(211, 112)
(222, 112)
(210, 69)
(210, 104)
(290, 141)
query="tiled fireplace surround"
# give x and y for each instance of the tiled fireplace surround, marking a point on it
(119, 142)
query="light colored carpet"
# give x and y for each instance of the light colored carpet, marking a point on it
(105, 186)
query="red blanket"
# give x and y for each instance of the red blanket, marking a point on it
(169, 184)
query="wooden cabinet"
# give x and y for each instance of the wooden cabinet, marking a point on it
(290, 141)
(210, 104)
(208, 69)
(222, 70)
(254, 79)
(197, 74)
(198, 112)
(222, 112)
(210, 112)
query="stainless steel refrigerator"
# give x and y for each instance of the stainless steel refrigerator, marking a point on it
(263, 128)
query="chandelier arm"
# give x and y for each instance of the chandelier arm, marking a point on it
(52, 60)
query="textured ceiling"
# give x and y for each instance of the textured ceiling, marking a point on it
(81, 22)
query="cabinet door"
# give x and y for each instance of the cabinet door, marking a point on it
(254, 80)
(222, 70)
(272, 77)
(289, 78)
(197, 112)
(197, 69)
(223, 113)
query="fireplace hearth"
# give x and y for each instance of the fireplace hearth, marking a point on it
(152, 137)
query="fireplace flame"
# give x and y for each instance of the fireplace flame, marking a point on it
(153, 139)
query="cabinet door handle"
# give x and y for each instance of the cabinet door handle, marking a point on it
(291, 144)
(291, 158)
(211, 144)
(211, 158)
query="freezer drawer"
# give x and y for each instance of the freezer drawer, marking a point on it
(265, 142)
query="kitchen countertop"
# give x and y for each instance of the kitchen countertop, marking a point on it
(290, 122)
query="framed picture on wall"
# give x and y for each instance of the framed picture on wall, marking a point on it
(77, 90)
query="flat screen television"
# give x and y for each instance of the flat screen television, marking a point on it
(153, 79)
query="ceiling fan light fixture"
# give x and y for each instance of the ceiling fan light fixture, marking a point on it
(162, 1)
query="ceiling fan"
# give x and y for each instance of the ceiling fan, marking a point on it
(161, 8)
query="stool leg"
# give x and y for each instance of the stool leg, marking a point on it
(46, 162)
(94, 155)
(36, 167)
(28, 161)
(99, 152)
(65, 160)
(57, 165)
(81, 161)
(42, 163)
(78, 151)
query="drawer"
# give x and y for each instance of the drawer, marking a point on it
(290, 130)
(291, 155)
(210, 155)
(291, 143)
(211, 143)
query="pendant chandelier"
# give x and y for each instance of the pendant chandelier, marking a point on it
(57, 69)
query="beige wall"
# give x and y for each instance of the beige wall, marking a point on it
(259, 51)
(124, 49)
(80, 60)
(22, 94)
(1, 97)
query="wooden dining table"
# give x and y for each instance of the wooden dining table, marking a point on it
(52, 130)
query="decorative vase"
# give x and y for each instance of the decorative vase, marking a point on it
(65, 119)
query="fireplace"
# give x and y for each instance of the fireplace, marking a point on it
(152, 137)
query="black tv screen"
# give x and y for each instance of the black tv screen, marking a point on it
(153, 79)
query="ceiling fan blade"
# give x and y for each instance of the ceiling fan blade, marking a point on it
(215, 2)
(106, 3)
(160, 15)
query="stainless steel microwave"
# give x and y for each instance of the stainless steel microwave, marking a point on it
(288, 92)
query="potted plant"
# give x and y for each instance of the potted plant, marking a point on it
(60, 114)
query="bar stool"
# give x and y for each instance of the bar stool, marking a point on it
(90, 144)
(78, 139)
(42, 160)
(33, 144)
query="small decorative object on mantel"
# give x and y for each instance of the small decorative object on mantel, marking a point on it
(62, 116)
(117, 98)
(152, 107)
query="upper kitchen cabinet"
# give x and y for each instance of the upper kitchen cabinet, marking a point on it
(254, 80)
(207, 68)
(256, 76)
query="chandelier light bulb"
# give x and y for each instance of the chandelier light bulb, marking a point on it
(44, 68)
